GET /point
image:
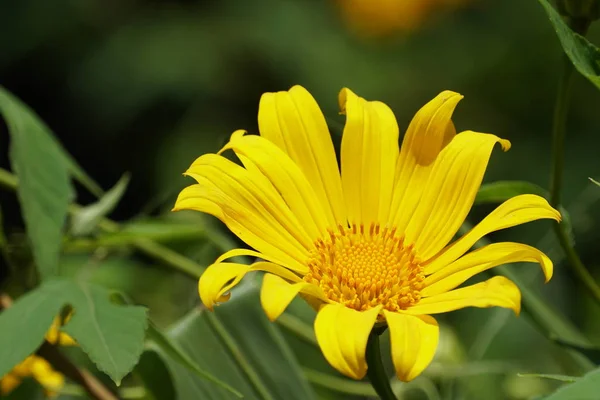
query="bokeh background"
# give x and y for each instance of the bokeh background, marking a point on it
(145, 86)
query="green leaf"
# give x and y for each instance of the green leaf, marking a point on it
(112, 335)
(595, 182)
(15, 112)
(585, 388)
(156, 377)
(497, 192)
(583, 54)
(26, 322)
(590, 351)
(44, 189)
(239, 345)
(86, 218)
(562, 378)
(167, 348)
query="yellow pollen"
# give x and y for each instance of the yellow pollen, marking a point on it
(363, 268)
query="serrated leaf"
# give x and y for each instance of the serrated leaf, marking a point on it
(562, 378)
(239, 345)
(44, 189)
(84, 221)
(585, 388)
(26, 322)
(112, 335)
(583, 54)
(167, 348)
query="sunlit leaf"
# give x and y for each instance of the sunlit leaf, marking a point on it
(583, 54)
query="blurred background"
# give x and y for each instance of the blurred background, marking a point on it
(146, 86)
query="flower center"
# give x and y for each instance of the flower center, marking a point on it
(363, 268)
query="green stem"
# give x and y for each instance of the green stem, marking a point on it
(145, 246)
(561, 110)
(376, 372)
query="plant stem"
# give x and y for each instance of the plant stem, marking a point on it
(145, 246)
(561, 110)
(376, 372)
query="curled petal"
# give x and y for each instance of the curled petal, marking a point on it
(429, 132)
(218, 279)
(483, 259)
(342, 334)
(495, 292)
(414, 340)
(515, 211)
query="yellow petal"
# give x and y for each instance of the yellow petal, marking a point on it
(495, 292)
(414, 340)
(55, 336)
(8, 383)
(251, 188)
(51, 380)
(515, 211)
(429, 132)
(369, 154)
(276, 294)
(450, 191)
(245, 222)
(483, 259)
(293, 121)
(342, 334)
(287, 178)
(218, 279)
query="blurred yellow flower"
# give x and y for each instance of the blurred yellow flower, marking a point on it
(367, 245)
(385, 17)
(38, 368)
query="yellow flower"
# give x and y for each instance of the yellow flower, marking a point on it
(38, 368)
(370, 244)
(385, 17)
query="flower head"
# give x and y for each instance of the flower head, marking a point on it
(367, 244)
(38, 368)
